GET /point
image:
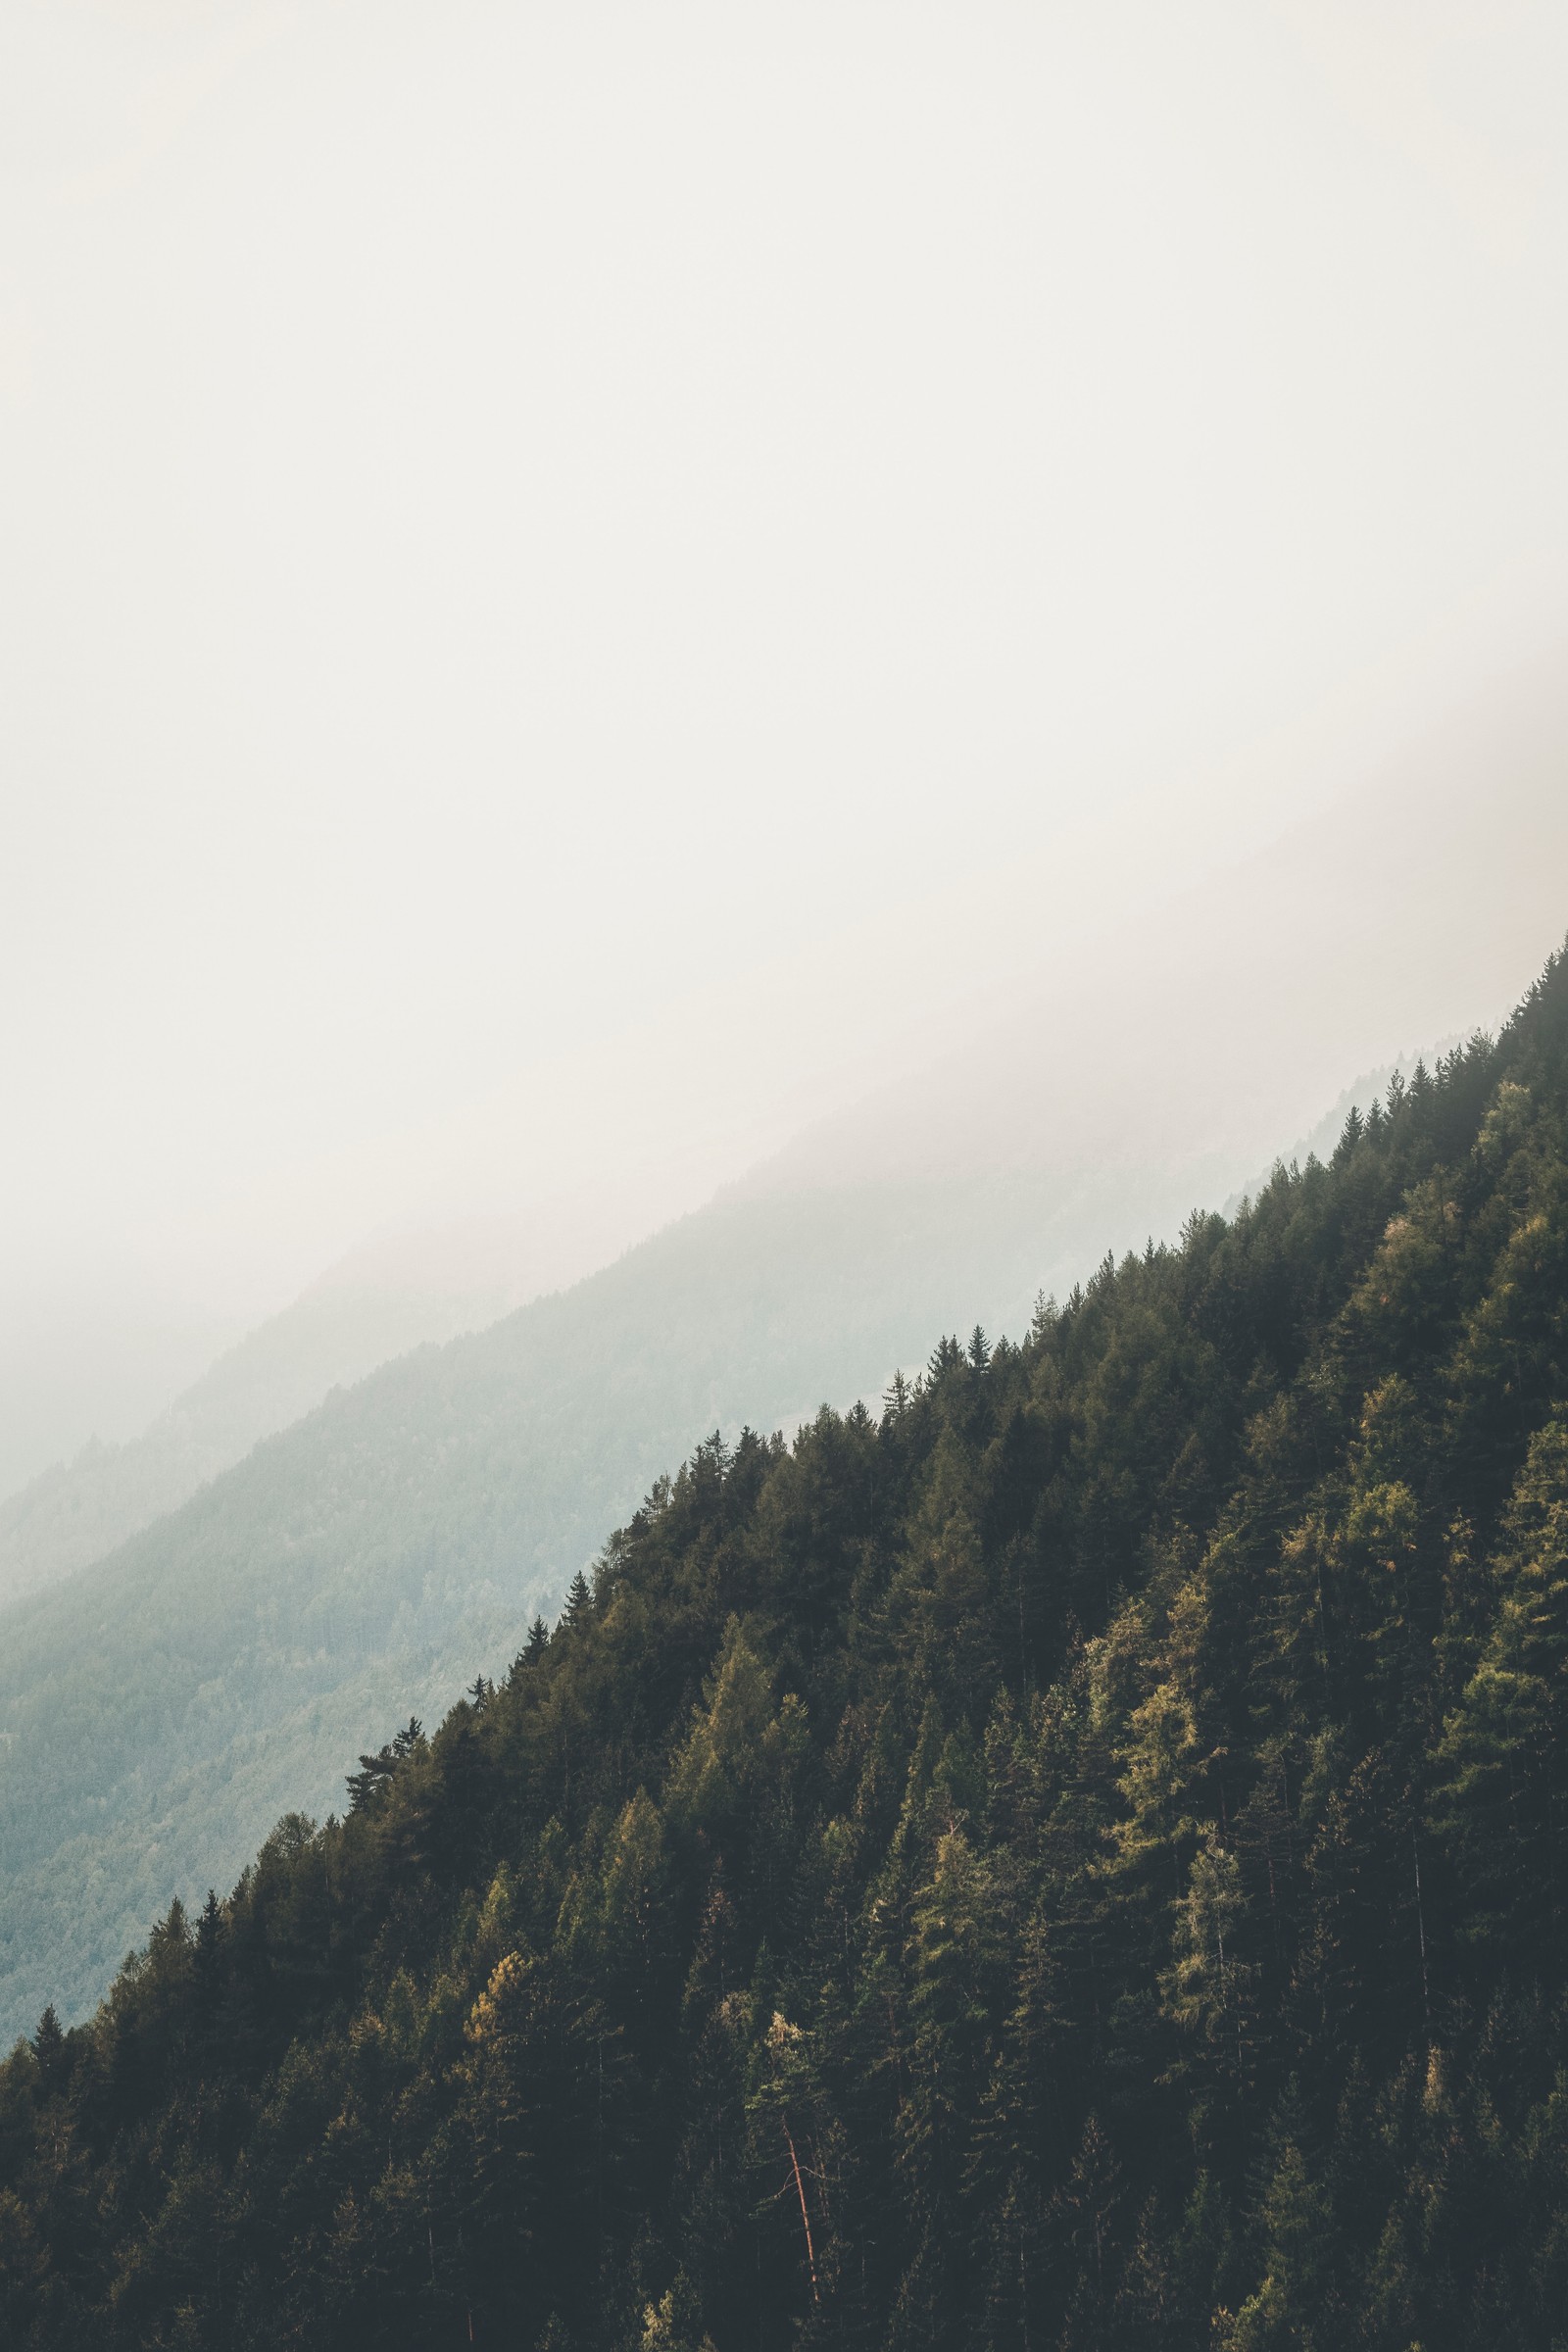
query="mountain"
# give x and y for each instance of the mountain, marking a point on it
(378, 1302)
(94, 1355)
(158, 1710)
(1077, 1859)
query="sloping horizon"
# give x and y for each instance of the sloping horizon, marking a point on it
(583, 590)
(1160, 1066)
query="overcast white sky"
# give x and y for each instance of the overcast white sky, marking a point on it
(573, 575)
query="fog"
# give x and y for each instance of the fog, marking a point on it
(587, 591)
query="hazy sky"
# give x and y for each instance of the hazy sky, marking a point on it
(574, 576)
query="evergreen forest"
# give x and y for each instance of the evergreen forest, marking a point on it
(161, 1708)
(1073, 1863)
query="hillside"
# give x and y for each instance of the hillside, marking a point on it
(377, 1303)
(1074, 1860)
(159, 1710)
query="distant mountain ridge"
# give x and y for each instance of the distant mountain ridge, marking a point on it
(375, 1306)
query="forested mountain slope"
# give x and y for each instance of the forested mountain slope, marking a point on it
(1075, 1861)
(159, 1710)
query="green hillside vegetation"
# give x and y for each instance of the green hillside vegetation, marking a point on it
(159, 1710)
(1074, 1861)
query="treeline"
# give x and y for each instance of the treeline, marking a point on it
(1075, 1862)
(158, 1711)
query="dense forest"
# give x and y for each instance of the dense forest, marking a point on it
(1074, 1861)
(159, 1710)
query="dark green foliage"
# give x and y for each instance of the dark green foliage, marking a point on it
(1077, 1862)
(363, 1564)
